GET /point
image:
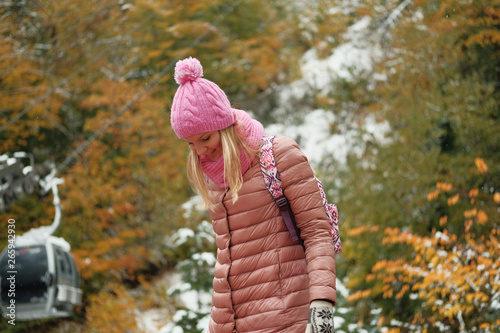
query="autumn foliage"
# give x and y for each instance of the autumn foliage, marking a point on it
(112, 310)
(454, 277)
(422, 210)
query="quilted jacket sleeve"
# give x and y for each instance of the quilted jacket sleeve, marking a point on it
(301, 189)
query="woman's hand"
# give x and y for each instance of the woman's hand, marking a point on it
(320, 317)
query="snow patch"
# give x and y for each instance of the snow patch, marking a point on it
(317, 142)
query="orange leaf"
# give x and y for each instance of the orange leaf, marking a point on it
(482, 217)
(453, 200)
(444, 186)
(433, 195)
(481, 166)
(443, 220)
(470, 213)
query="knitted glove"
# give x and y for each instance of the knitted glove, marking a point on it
(320, 317)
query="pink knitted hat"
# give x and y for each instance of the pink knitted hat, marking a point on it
(199, 105)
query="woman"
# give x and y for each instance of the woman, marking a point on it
(263, 281)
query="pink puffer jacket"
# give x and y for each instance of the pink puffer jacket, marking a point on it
(263, 281)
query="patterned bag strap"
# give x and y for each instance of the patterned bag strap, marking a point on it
(333, 216)
(273, 184)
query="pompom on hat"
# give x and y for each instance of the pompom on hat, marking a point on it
(199, 105)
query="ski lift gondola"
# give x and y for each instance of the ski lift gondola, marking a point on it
(43, 280)
(47, 283)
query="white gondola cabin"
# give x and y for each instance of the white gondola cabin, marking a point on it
(47, 283)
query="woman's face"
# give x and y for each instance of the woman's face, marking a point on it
(207, 144)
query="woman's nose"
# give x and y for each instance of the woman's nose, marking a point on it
(200, 149)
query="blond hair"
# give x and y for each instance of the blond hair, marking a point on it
(231, 142)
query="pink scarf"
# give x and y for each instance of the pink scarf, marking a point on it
(251, 132)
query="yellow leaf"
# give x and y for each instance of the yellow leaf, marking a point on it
(403, 291)
(473, 193)
(370, 277)
(358, 231)
(482, 217)
(443, 220)
(496, 197)
(359, 295)
(444, 186)
(433, 195)
(481, 166)
(470, 213)
(468, 225)
(453, 200)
